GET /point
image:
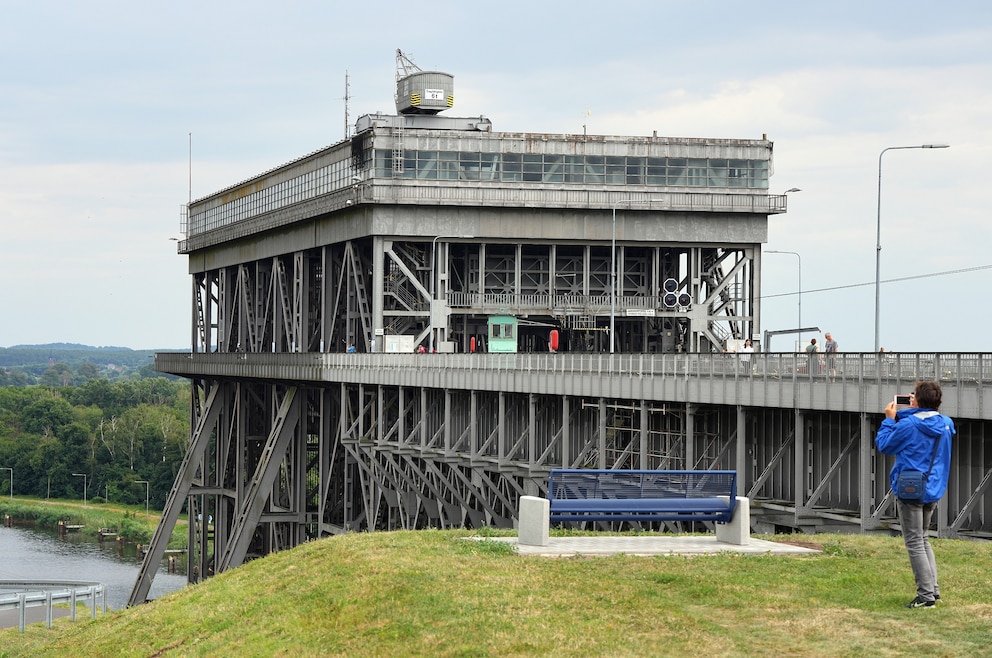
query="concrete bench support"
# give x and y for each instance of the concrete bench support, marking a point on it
(738, 531)
(535, 514)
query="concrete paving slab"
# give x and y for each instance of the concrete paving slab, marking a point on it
(654, 545)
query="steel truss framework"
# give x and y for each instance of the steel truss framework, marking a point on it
(274, 464)
(321, 300)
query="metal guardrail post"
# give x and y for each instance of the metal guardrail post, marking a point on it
(23, 610)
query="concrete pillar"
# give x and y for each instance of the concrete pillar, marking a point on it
(534, 521)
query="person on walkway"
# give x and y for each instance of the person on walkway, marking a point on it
(813, 357)
(919, 435)
(746, 353)
(830, 347)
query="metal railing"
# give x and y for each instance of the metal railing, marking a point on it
(23, 594)
(844, 366)
(456, 193)
(847, 381)
(560, 304)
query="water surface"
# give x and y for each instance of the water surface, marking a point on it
(28, 553)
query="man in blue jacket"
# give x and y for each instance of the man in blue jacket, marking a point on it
(912, 434)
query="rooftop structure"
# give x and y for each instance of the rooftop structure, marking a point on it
(423, 226)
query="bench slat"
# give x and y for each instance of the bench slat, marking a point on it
(643, 505)
(640, 495)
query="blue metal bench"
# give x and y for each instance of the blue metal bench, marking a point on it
(578, 495)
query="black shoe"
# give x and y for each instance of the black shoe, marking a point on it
(936, 597)
(920, 602)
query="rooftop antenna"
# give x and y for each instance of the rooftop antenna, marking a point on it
(184, 212)
(347, 127)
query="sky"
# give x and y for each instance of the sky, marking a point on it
(114, 114)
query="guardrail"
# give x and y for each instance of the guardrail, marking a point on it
(48, 593)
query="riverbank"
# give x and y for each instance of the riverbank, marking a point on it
(128, 522)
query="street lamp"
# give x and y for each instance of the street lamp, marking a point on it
(878, 229)
(613, 267)
(430, 321)
(799, 258)
(146, 494)
(4, 468)
(82, 475)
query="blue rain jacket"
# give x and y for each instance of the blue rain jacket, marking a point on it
(910, 437)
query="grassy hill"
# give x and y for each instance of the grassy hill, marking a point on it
(431, 593)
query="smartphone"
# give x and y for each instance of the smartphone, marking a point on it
(902, 400)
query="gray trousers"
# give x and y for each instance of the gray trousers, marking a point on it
(915, 519)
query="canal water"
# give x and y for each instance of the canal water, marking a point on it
(28, 553)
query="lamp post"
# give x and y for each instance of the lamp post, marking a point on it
(878, 227)
(82, 475)
(430, 320)
(613, 267)
(800, 259)
(146, 494)
(5, 468)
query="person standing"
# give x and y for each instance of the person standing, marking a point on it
(920, 438)
(830, 347)
(813, 358)
(887, 362)
(746, 353)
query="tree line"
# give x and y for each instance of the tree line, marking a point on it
(65, 364)
(115, 433)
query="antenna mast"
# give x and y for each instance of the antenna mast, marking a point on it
(347, 127)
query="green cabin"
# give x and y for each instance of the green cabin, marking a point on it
(502, 334)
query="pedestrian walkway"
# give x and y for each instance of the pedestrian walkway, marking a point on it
(652, 545)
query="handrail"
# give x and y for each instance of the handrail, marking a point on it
(847, 366)
(849, 381)
(48, 593)
(559, 304)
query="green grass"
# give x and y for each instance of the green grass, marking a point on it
(430, 593)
